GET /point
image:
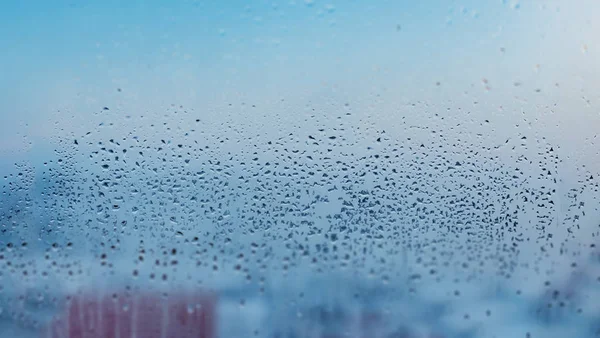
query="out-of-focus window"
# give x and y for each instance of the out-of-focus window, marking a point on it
(303, 168)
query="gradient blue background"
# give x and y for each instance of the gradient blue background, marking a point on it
(532, 67)
(72, 55)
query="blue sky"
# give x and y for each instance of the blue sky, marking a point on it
(65, 60)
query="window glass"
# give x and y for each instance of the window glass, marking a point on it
(299, 168)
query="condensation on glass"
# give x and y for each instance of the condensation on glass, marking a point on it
(299, 169)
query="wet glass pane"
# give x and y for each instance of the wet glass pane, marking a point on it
(299, 168)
